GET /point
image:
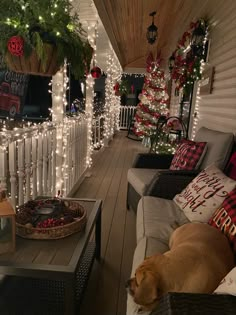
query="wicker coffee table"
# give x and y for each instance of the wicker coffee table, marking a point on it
(49, 276)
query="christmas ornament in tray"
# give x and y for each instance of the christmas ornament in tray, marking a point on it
(50, 218)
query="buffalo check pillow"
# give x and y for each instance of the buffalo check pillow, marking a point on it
(224, 218)
(204, 194)
(188, 155)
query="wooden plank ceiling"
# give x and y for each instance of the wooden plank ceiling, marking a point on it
(126, 23)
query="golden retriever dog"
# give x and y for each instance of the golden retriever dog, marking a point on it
(199, 258)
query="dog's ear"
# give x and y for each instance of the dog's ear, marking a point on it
(148, 291)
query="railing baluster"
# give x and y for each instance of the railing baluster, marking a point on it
(21, 170)
(40, 165)
(54, 147)
(12, 170)
(28, 149)
(34, 167)
(45, 163)
(3, 167)
(49, 157)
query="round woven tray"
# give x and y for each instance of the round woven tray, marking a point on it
(32, 64)
(56, 232)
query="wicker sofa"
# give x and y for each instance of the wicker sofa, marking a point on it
(155, 221)
(143, 178)
(157, 216)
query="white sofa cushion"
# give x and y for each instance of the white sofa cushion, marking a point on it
(141, 178)
(146, 247)
(158, 218)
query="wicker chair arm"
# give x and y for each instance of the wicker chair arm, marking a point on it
(169, 183)
(193, 303)
(152, 160)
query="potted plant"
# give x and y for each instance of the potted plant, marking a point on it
(36, 36)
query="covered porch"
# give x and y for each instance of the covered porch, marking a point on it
(88, 156)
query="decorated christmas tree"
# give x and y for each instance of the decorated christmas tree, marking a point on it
(153, 101)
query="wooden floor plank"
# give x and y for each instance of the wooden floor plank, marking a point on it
(100, 171)
(106, 293)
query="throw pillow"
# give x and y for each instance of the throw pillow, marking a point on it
(188, 155)
(231, 167)
(204, 194)
(224, 218)
(228, 284)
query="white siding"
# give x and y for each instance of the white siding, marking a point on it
(218, 110)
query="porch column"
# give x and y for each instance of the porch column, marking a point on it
(57, 117)
(92, 33)
(112, 102)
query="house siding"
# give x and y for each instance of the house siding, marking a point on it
(218, 109)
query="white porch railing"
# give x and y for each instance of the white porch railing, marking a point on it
(49, 158)
(126, 115)
(45, 159)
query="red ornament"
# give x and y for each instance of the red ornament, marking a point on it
(16, 45)
(96, 72)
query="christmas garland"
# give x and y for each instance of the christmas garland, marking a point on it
(185, 61)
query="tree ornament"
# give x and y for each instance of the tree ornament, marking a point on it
(96, 72)
(16, 45)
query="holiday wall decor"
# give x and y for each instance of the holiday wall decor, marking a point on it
(36, 37)
(185, 61)
(153, 101)
(122, 87)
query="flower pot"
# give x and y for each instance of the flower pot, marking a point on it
(32, 64)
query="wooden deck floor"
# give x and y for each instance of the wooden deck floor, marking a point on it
(106, 294)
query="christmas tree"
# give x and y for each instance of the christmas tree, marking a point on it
(153, 101)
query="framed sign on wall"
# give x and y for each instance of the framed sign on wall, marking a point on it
(206, 83)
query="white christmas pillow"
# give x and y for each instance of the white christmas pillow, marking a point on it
(204, 194)
(228, 284)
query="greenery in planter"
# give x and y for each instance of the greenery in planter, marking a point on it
(46, 21)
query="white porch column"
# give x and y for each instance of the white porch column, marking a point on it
(92, 32)
(112, 102)
(57, 117)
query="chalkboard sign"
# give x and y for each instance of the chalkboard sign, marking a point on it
(13, 88)
(38, 100)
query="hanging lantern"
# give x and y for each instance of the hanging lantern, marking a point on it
(96, 72)
(197, 40)
(152, 30)
(15, 45)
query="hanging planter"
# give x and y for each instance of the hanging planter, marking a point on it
(36, 37)
(33, 64)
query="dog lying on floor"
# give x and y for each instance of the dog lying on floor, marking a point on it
(199, 258)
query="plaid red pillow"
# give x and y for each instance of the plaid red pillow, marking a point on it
(230, 170)
(188, 155)
(224, 218)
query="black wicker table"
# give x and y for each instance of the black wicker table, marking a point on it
(49, 276)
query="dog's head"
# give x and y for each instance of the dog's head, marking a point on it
(145, 286)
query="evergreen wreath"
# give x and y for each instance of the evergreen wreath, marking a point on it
(46, 21)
